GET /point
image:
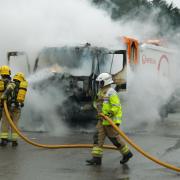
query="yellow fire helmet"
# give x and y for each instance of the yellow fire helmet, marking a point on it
(19, 76)
(5, 70)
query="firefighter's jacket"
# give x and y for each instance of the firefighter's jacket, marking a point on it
(108, 103)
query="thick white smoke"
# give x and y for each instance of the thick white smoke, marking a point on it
(40, 111)
(147, 94)
(31, 25)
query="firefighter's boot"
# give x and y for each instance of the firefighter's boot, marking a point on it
(3, 142)
(14, 143)
(94, 161)
(126, 157)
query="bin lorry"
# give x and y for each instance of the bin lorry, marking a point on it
(74, 70)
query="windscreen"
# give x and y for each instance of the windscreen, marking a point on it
(75, 61)
(112, 63)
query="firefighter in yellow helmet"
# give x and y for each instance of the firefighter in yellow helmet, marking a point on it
(14, 94)
(108, 103)
(5, 78)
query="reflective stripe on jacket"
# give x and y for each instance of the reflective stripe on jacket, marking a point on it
(111, 107)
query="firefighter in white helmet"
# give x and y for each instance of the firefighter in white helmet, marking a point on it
(108, 103)
(5, 78)
(14, 94)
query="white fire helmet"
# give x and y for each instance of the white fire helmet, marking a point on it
(104, 78)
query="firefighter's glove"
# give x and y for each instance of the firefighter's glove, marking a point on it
(22, 104)
(99, 117)
(3, 97)
(109, 114)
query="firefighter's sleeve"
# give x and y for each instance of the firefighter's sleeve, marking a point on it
(8, 91)
(115, 104)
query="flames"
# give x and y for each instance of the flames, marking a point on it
(56, 69)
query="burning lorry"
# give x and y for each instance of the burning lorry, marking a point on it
(73, 71)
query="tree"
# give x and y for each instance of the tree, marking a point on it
(167, 15)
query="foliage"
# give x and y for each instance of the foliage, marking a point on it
(167, 16)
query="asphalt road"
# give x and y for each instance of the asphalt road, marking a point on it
(30, 163)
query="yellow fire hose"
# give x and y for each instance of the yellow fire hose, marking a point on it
(49, 146)
(169, 166)
(122, 134)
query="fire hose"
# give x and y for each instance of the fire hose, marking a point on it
(121, 133)
(49, 146)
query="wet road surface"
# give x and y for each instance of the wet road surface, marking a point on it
(30, 163)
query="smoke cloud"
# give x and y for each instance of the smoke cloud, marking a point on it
(32, 25)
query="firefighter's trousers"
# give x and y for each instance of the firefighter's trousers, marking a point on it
(6, 131)
(114, 137)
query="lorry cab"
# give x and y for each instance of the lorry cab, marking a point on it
(73, 70)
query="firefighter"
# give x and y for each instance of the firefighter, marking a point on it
(14, 94)
(108, 103)
(5, 73)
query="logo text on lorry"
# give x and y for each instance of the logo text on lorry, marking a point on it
(147, 60)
